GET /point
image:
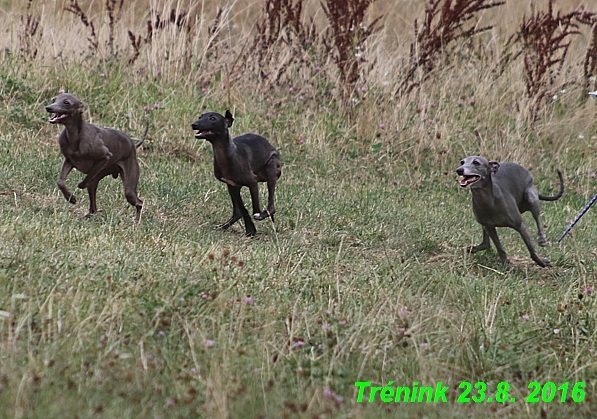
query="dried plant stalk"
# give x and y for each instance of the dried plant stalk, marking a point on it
(281, 39)
(347, 35)
(545, 42)
(444, 23)
(590, 64)
(30, 34)
(75, 8)
(183, 23)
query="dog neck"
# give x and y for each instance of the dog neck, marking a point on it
(72, 128)
(224, 156)
(224, 148)
(483, 194)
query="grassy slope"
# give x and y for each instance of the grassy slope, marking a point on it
(363, 277)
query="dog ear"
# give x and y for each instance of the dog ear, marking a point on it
(229, 118)
(494, 166)
(81, 107)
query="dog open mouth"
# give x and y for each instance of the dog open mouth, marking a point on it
(57, 117)
(203, 134)
(469, 180)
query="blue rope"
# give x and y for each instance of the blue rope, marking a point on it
(591, 202)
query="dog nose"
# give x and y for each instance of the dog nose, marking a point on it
(460, 171)
(194, 125)
(48, 109)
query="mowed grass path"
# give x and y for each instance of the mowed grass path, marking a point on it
(364, 276)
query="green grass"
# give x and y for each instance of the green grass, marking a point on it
(363, 277)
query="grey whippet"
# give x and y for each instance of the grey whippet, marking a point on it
(501, 193)
(241, 161)
(96, 152)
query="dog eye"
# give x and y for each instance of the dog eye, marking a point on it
(66, 102)
(461, 162)
(476, 162)
(212, 118)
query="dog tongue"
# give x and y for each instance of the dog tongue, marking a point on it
(468, 180)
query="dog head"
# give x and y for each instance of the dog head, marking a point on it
(64, 107)
(212, 126)
(474, 169)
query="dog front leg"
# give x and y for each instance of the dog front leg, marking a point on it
(67, 166)
(236, 213)
(496, 240)
(484, 244)
(237, 200)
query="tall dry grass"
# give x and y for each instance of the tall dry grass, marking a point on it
(157, 320)
(213, 47)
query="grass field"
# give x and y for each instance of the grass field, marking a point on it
(364, 277)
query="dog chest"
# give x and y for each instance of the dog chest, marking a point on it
(228, 181)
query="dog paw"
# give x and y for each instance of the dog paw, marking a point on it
(261, 215)
(542, 241)
(72, 199)
(475, 249)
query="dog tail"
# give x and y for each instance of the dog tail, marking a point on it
(144, 135)
(559, 195)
